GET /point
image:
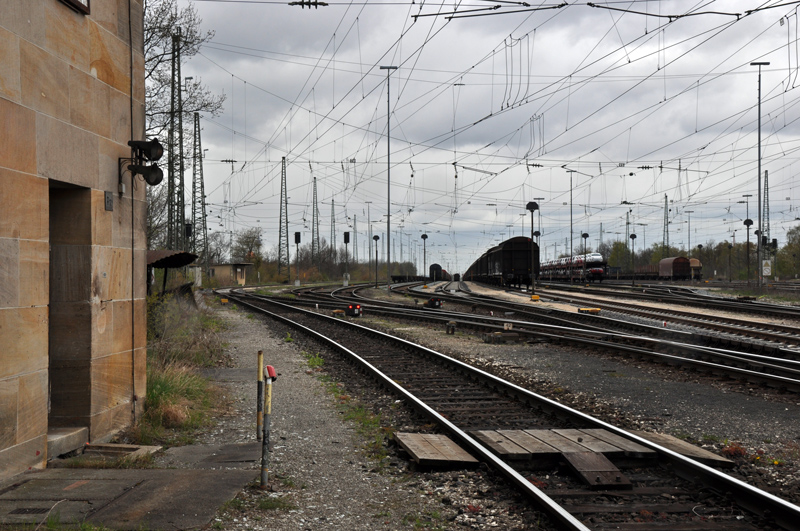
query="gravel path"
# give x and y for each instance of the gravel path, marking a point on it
(322, 479)
(320, 476)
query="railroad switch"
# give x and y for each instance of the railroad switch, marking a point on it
(593, 311)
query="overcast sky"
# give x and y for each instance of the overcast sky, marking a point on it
(489, 113)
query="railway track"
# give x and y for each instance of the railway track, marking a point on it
(773, 332)
(780, 370)
(466, 402)
(683, 295)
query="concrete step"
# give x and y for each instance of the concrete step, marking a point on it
(62, 441)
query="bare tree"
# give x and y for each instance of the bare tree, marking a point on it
(162, 18)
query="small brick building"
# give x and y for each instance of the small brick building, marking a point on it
(72, 245)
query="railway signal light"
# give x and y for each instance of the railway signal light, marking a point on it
(151, 150)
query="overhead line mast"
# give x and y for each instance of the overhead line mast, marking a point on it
(199, 236)
(283, 227)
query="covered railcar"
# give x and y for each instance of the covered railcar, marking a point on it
(675, 268)
(508, 264)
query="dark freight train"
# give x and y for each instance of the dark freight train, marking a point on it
(508, 264)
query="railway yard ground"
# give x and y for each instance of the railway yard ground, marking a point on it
(334, 467)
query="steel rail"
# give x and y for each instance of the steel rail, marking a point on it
(781, 376)
(757, 501)
(685, 317)
(718, 303)
(541, 500)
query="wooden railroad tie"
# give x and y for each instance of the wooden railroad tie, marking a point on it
(586, 452)
(432, 449)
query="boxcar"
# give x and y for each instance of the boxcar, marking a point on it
(675, 268)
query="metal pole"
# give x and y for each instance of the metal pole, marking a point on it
(388, 177)
(424, 256)
(260, 398)
(376, 238)
(533, 266)
(759, 64)
(570, 223)
(271, 376)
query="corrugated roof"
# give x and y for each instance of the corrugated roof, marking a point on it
(164, 258)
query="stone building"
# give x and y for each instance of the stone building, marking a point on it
(72, 239)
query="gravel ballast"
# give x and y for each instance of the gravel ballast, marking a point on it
(322, 478)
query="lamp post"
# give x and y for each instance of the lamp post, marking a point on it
(633, 258)
(376, 238)
(584, 236)
(346, 258)
(532, 206)
(748, 223)
(388, 175)
(297, 257)
(570, 223)
(759, 64)
(699, 257)
(424, 255)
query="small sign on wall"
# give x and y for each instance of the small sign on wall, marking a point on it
(81, 6)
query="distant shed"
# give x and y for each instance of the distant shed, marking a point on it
(229, 274)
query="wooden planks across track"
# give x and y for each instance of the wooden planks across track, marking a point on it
(432, 449)
(597, 471)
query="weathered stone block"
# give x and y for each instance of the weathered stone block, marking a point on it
(89, 103)
(122, 326)
(140, 267)
(102, 273)
(31, 454)
(24, 18)
(44, 80)
(108, 164)
(9, 66)
(104, 424)
(33, 391)
(34, 273)
(23, 340)
(66, 153)
(102, 328)
(17, 137)
(9, 391)
(105, 14)
(67, 33)
(140, 322)
(24, 205)
(120, 274)
(121, 226)
(101, 218)
(9, 273)
(109, 58)
(120, 123)
(111, 381)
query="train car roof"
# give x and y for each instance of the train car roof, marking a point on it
(679, 259)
